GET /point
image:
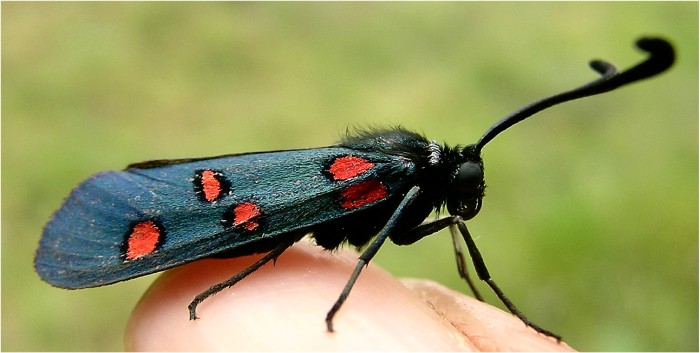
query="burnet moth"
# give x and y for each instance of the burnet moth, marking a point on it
(373, 185)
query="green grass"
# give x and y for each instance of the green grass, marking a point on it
(590, 223)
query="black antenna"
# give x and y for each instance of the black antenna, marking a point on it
(661, 57)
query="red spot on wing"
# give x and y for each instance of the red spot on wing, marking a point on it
(246, 216)
(210, 185)
(142, 240)
(363, 193)
(347, 167)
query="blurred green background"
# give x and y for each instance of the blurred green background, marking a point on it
(590, 223)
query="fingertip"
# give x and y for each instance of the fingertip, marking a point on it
(487, 327)
(283, 307)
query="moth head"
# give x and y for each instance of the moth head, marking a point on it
(467, 189)
(467, 186)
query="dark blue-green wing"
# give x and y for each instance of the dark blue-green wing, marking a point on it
(119, 225)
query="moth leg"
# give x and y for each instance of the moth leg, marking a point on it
(272, 255)
(457, 222)
(369, 253)
(462, 263)
(484, 275)
(432, 227)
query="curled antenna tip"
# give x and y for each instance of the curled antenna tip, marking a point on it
(603, 67)
(661, 57)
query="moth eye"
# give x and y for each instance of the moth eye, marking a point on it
(469, 178)
(467, 191)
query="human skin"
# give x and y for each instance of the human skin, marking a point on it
(282, 307)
